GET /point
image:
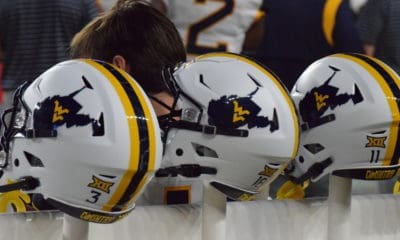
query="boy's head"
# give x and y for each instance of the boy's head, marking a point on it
(137, 38)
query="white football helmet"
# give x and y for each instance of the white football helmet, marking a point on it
(235, 120)
(85, 136)
(348, 106)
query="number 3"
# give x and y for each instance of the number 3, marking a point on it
(95, 197)
(196, 28)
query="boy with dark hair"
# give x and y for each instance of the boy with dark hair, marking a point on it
(137, 38)
(141, 40)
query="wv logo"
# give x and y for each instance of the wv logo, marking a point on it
(320, 99)
(239, 113)
(231, 112)
(57, 110)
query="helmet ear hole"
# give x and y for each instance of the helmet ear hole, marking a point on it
(33, 160)
(179, 152)
(204, 151)
(314, 148)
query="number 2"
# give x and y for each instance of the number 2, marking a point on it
(195, 29)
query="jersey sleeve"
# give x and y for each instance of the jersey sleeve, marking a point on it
(90, 9)
(345, 35)
(371, 21)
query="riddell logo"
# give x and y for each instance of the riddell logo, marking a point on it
(380, 174)
(97, 218)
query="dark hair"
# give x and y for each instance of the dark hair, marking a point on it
(145, 37)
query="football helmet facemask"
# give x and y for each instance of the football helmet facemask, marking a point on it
(348, 106)
(84, 136)
(236, 123)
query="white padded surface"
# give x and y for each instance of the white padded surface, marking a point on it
(371, 217)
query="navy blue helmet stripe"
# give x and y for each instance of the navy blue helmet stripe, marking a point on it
(143, 136)
(395, 91)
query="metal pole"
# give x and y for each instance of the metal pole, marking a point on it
(214, 214)
(74, 228)
(339, 207)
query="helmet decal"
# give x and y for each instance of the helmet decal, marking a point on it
(241, 117)
(46, 122)
(57, 110)
(134, 179)
(233, 112)
(375, 142)
(366, 142)
(317, 101)
(378, 142)
(100, 184)
(390, 84)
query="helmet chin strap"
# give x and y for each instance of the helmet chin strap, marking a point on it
(264, 188)
(315, 170)
(26, 184)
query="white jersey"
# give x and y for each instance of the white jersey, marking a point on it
(213, 25)
(107, 4)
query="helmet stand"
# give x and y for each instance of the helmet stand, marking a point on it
(339, 207)
(214, 213)
(74, 228)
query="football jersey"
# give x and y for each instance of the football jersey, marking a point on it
(106, 4)
(213, 25)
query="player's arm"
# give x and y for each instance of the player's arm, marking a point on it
(99, 5)
(345, 36)
(90, 9)
(255, 33)
(370, 23)
(1, 51)
(369, 49)
(2, 31)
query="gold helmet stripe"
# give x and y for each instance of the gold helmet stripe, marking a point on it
(141, 131)
(151, 138)
(389, 84)
(329, 19)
